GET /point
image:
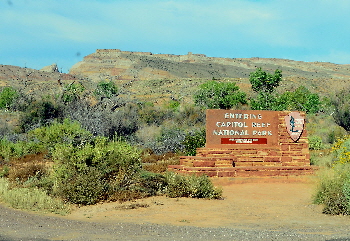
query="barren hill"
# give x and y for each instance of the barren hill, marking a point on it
(156, 77)
(120, 66)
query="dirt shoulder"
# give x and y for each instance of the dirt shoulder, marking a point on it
(264, 209)
(266, 203)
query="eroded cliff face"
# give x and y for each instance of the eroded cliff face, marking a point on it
(124, 65)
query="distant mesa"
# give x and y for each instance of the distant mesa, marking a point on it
(127, 65)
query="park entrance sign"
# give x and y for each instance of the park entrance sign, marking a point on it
(244, 143)
(241, 127)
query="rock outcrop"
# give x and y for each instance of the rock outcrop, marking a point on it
(51, 68)
(126, 65)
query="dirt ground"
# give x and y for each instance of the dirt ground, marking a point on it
(267, 203)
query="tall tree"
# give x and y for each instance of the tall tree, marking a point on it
(264, 84)
(218, 95)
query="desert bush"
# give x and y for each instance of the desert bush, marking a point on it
(160, 166)
(265, 101)
(193, 140)
(301, 99)
(265, 84)
(202, 187)
(335, 134)
(189, 116)
(217, 95)
(106, 89)
(173, 105)
(321, 158)
(333, 190)
(315, 143)
(4, 171)
(177, 185)
(102, 119)
(341, 150)
(324, 126)
(68, 132)
(262, 81)
(39, 113)
(5, 129)
(341, 108)
(7, 97)
(72, 92)
(158, 163)
(170, 140)
(9, 149)
(103, 164)
(191, 186)
(152, 183)
(23, 101)
(154, 115)
(84, 186)
(31, 199)
(22, 173)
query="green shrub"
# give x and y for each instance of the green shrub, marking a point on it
(333, 190)
(217, 95)
(152, 183)
(106, 89)
(189, 116)
(335, 134)
(31, 199)
(72, 92)
(9, 149)
(39, 113)
(194, 140)
(7, 97)
(4, 172)
(154, 115)
(103, 164)
(315, 143)
(301, 99)
(67, 132)
(154, 163)
(177, 185)
(341, 150)
(173, 105)
(191, 186)
(341, 108)
(84, 186)
(262, 81)
(266, 101)
(103, 119)
(202, 187)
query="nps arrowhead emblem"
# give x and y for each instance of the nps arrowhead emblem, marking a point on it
(295, 125)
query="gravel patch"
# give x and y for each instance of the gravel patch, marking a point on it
(18, 225)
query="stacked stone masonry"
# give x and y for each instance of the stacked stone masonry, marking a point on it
(287, 158)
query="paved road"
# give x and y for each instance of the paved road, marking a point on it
(17, 225)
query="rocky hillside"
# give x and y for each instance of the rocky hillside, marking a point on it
(157, 77)
(122, 65)
(39, 82)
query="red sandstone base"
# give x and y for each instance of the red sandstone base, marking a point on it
(227, 163)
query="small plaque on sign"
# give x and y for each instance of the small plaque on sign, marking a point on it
(295, 125)
(243, 140)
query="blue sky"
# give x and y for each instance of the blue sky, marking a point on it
(36, 33)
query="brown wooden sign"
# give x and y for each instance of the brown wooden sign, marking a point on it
(295, 125)
(255, 128)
